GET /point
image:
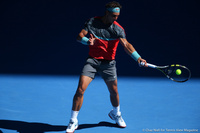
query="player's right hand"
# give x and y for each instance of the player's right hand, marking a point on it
(92, 39)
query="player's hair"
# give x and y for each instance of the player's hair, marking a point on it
(113, 4)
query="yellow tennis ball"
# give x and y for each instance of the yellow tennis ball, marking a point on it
(178, 71)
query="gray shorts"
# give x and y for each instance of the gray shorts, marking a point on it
(106, 68)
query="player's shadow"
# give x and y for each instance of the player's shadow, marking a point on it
(29, 127)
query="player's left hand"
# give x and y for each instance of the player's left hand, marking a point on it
(142, 60)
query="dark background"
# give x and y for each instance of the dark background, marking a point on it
(39, 37)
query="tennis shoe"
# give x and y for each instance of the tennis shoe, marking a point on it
(117, 118)
(72, 126)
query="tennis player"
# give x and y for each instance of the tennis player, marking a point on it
(105, 34)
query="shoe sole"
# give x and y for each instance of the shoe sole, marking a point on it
(73, 131)
(116, 123)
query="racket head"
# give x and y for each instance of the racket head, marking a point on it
(170, 72)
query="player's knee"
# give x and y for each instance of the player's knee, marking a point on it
(80, 92)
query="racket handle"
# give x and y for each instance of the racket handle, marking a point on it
(148, 64)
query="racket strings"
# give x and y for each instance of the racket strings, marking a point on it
(183, 76)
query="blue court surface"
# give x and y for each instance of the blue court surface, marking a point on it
(42, 104)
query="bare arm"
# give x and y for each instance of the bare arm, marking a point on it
(82, 34)
(130, 49)
(127, 46)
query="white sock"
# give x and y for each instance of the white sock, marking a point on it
(74, 115)
(116, 110)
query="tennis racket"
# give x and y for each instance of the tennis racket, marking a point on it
(170, 71)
